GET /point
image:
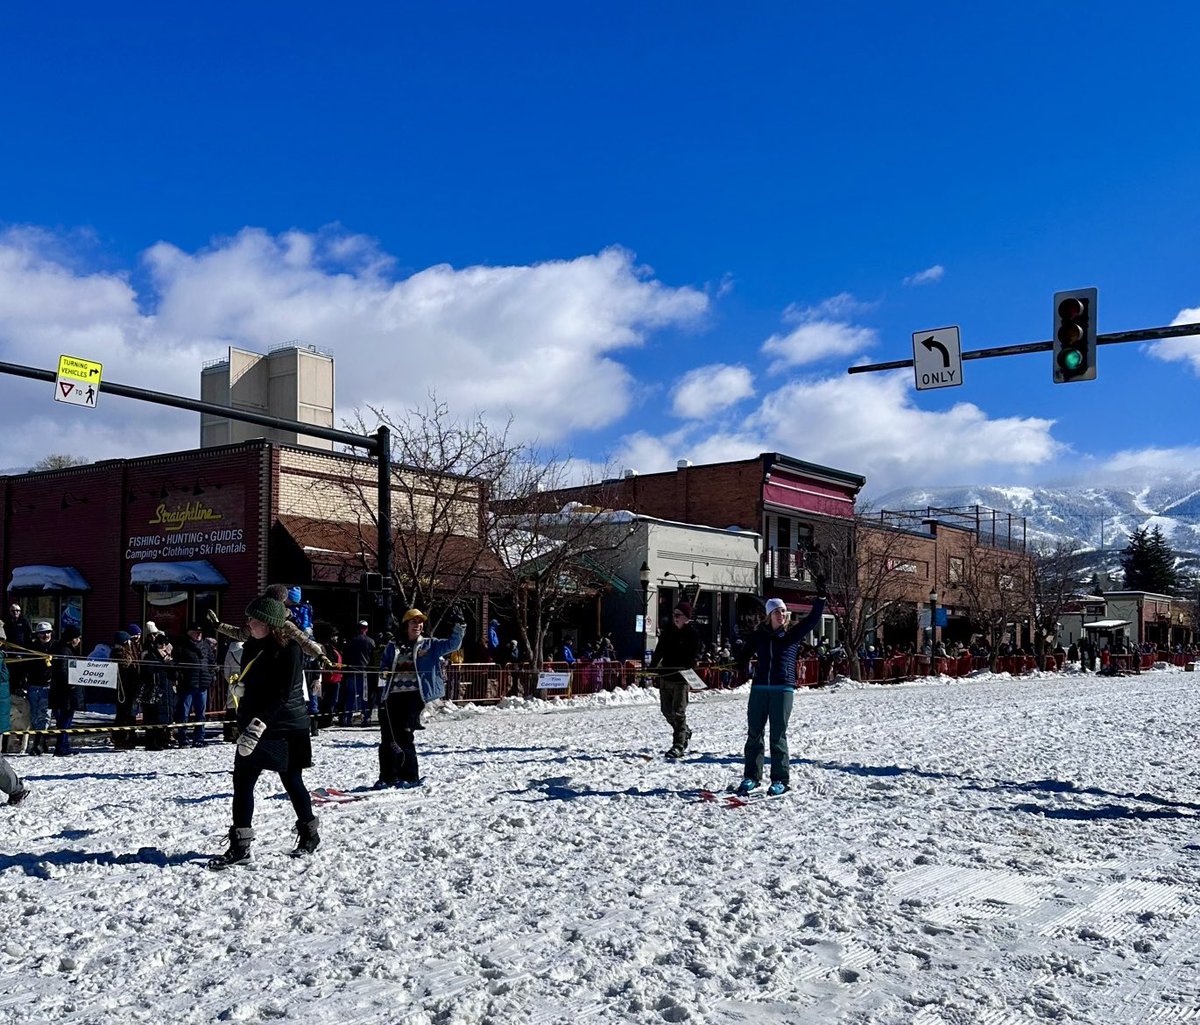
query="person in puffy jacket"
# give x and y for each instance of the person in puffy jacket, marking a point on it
(272, 718)
(772, 690)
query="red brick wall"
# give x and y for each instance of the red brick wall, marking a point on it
(716, 495)
(89, 516)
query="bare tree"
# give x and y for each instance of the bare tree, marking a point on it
(445, 473)
(447, 544)
(995, 586)
(58, 461)
(556, 557)
(1056, 568)
(869, 570)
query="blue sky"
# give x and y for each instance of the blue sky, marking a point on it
(649, 231)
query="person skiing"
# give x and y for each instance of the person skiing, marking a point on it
(677, 650)
(273, 729)
(415, 679)
(773, 689)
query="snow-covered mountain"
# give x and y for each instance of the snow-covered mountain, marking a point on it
(1098, 516)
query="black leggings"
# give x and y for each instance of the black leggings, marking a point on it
(399, 716)
(244, 778)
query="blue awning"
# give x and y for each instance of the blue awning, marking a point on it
(47, 580)
(175, 576)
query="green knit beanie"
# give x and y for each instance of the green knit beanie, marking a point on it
(267, 610)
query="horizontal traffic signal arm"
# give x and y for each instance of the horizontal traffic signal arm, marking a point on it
(1149, 334)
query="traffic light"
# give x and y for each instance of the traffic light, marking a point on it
(1075, 336)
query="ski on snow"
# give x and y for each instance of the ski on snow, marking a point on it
(331, 795)
(730, 798)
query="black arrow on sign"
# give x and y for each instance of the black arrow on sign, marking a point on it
(932, 343)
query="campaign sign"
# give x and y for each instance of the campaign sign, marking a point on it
(87, 672)
(553, 681)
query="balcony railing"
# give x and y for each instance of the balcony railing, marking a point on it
(788, 565)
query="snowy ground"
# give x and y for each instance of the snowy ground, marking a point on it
(990, 852)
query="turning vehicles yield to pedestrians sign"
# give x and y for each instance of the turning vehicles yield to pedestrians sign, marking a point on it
(78, 381)
(937, 358)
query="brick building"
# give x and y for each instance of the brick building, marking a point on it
(968, 568)
(168, 537)
(790, 503)
(969, 564)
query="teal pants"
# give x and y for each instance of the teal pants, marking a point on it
(773, 707)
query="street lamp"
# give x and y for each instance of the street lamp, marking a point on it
(644, 577)
(933, 600)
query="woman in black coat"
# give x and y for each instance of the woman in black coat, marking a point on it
(272, 717)
(157, 695)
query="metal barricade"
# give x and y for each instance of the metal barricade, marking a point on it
(476, 683)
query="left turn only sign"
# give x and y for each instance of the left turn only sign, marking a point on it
(937, 358)
(78, 381)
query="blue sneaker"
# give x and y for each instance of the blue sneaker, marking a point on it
(746, 786)
(777, 788)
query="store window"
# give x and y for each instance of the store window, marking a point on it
(60, 610)
(173, 611)
(168, 610)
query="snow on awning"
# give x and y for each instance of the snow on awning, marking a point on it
(1106, 624)
(172, 576)
(47, 579)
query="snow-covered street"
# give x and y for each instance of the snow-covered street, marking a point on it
(989, 851)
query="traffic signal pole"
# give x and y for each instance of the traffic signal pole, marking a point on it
(1150, 334)
(379, 445)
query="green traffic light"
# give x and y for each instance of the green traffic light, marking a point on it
(1071, 359)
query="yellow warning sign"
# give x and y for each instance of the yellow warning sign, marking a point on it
(80, 369)
(78, 381)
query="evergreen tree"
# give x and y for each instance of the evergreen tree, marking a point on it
(1149, 562)
(1135, 560)
(1164, 576)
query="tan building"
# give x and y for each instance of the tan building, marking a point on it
(291, 382)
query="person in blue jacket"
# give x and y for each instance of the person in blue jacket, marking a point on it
(414, 680)
(773, 689)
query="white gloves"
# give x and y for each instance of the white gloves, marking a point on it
(237, 691)
(248, 740)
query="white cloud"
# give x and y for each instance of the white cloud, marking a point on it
(541, 341)
(1165, 460)
(823, 330)
(1180, 350)
(706, 390)
(815, 341)
(840, 307)
(928, 276)
(862, 424)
